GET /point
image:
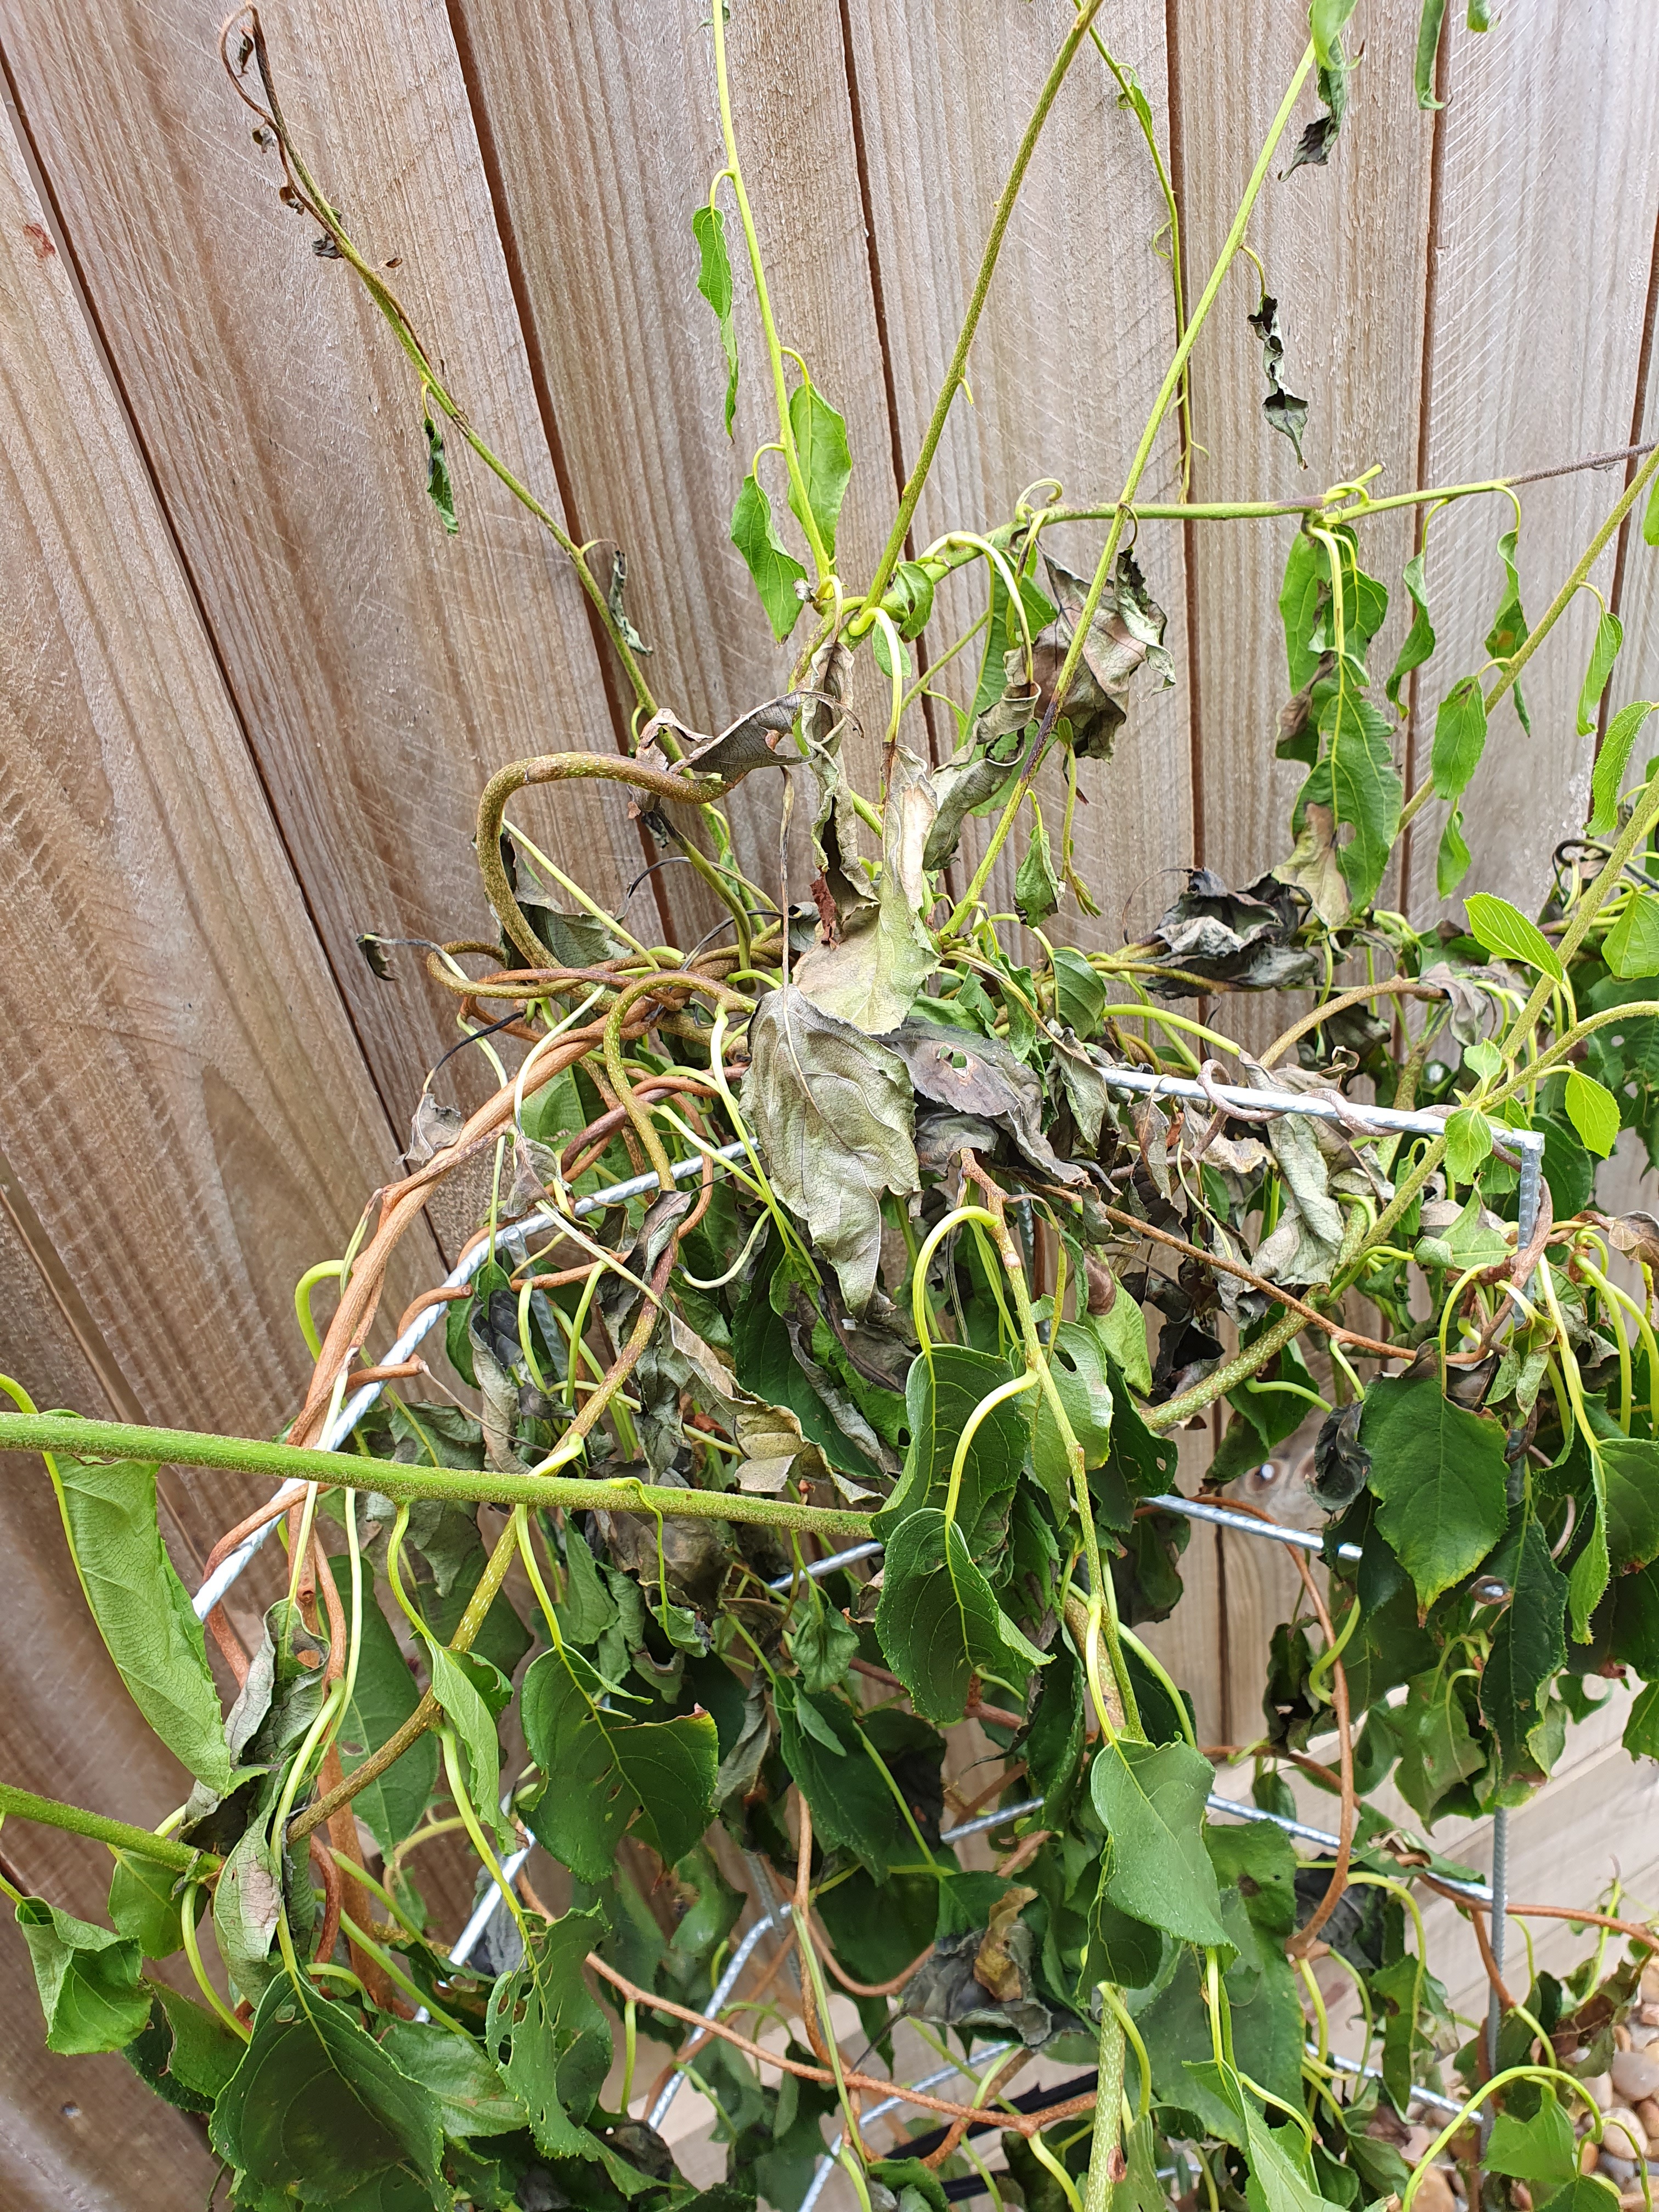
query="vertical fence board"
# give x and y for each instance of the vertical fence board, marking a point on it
(1078, 326)
(1344, 251)
(631, 355)
(382, 669)
(1540, 281)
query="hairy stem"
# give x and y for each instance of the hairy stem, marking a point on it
(52, 1813)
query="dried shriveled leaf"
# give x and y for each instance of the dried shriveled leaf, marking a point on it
(833, 1117)
(979, 1076)
(1286, 413)
(1245, 940)
(1125, 634)
(886, 952)
(775, 1449)
(976, 773)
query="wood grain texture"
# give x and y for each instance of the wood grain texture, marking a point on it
(1077, 331)
(1541, 267)
(628, 354)
(198, 1123)
(381, 670)
(1344, 249)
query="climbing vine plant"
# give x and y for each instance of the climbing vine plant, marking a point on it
(861, 1229)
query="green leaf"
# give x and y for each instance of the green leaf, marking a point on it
(1651, 518)
(938, 1619)
(714, 283)
(383, 1697)
(1428, 46)
(91, 1982)
(823, 1642)
(1437, 1473)
(547, 2037)
(605, 1774)
(1630, 1469)
(1036, 887)
(1325, 21)
(1468, 1142)
(1460, 739)
(775, 570)
(1356, 779)
(587, 1608)
(146, 1903)
(456, 1691)
(183, 2052)
(1151, 1798)
(316, 2107)
(1508, 633)
(1307, 572)
(1609, 636)
(1504, 932)
(140, 1608)
(1420, 638)
(1080, 994)
(826, 464)
(1438, 1749)
(853, 1809)
(439, 488)
(1593, 1110)
(1630, 947)
(1121, 1949)
(472, 2097)
(833, 1115)
(1608, 776)
(1539, 2149)
(1451, 862)
(1641, 1737)
(1586, 2194)
(940, 1397)
(1528, 1646)
(1079, 1366)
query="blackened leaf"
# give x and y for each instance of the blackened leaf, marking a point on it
(605, 1774)
(1341, 1464)
(91, 1982)
(775, 570)
(140, 1608)
(373, 951)
(547, 2038)
(752, 741)
(833, 1119)
(940, 1396)
(1438, 1474)
(820, 435)
(938, 1619)
(714, 283)
(1125, 634)
(979, 1075)
(439, 488)
(1609, 636)
(1151, 1799)
(1508, 633)
(977, 773)
(1528, 1647)
(1242, 939)
(1286, 413)
(609, 564)
(316, 2107)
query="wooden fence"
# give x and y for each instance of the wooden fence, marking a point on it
(252, 689)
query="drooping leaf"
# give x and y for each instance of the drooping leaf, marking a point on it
(1508, 633)
(1468, 1142)
(142, 1610)
(1428, 47)
(775, 570)
(146, 1903)
(938, 1619)
(1125, 634)
(1528, 1645)
(1151, 1798)
(384, 1695)
(833, 1119)
(439, 491)
(1451, 862)
(247, 1902)
(822, 1642)
(1036, 887)
(1460, 739)
(606, 1774)
(1078, 1365)
(829, 1756)
(1630, 1474)
(1419, 643)
(1285, 413)
(714, 283)
(870, 977)
(1356, 779)
(184, 2053)
(1609, 637)
(1593, 1110)
(546, 2036)
(317, 2108)
(91, 1982)
(456, 1689)
(1438, 1474)
(1505, 931)
(1080, 994)
(826, 464)
(1608, 776)
(1541, 2148)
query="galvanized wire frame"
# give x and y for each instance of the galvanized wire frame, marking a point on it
(1365, 1119)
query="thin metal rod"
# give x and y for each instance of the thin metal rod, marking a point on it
(335, 1431)
(1476, 1891)
(826, 2164)
(723, 1988)
(1246, 1524)
(835, 1560)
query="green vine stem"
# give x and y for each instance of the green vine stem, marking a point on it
(119, 1835)
(956, 374)
(122, 1440)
